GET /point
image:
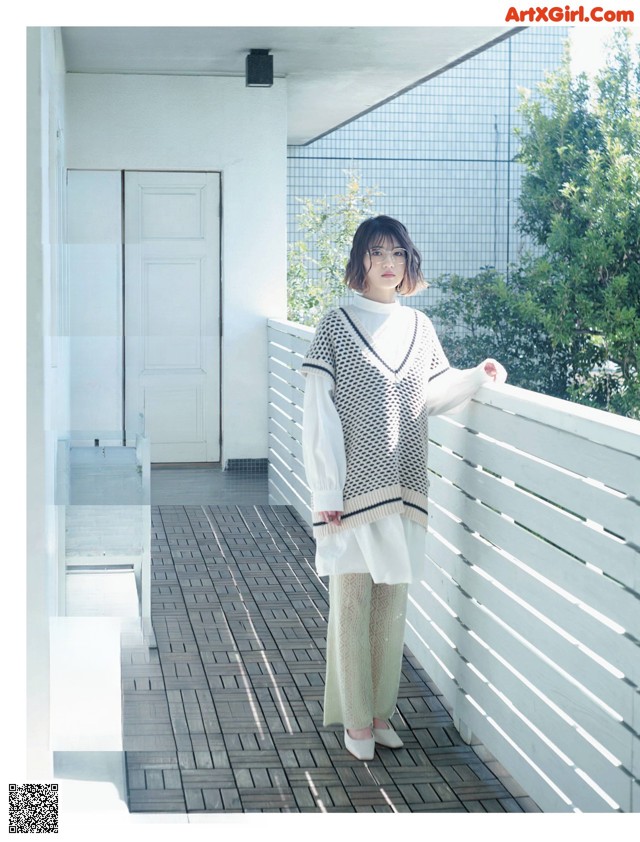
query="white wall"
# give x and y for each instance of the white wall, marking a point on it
(138, 122)
(47, 369)
(94, 254)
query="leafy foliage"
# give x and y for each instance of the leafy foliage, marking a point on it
(501, 320)
(568, 320)
(316, 263)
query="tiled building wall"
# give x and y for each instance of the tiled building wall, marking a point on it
(441, 155)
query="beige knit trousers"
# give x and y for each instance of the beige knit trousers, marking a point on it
(365, 640)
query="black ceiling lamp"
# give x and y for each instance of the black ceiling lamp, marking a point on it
(259, 70)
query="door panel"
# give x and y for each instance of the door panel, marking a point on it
(172, 312)
(172, 337)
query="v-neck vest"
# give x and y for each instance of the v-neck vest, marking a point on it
(382, 409)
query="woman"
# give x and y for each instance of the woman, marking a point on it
(374, 372)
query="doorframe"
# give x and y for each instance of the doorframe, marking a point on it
(220, 174)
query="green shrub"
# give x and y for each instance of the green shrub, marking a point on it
(316, 264)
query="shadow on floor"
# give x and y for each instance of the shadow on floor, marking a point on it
(226, 714)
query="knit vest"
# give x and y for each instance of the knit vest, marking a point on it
(383, 414)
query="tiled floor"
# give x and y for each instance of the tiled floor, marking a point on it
(226, 714)
(200, 485)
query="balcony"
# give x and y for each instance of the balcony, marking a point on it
(528, 618)
(519, 687)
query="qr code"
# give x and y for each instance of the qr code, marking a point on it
(33, 808)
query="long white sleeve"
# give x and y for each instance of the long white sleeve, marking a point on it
(323, 445)
(451, 391)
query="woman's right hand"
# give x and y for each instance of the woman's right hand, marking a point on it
(331, 517)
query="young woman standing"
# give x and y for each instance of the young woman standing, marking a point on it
(375, 372)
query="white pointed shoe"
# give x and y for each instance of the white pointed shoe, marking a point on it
(387, 737)
(361, 749)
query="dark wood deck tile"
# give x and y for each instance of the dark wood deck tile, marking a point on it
(157, 801)
(226, 714)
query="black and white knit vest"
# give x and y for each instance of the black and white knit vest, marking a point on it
(383, 414)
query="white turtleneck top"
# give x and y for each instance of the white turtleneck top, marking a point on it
(391, 549)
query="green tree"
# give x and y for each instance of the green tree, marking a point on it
(573, 307)
(316, 264)
(486, 316)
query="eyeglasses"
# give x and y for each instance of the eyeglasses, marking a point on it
(379, 255)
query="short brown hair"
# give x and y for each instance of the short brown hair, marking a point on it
(373, 232)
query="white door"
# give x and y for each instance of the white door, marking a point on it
(172, 307)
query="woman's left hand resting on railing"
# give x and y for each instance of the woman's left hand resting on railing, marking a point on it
(495, 370)
(450, 392)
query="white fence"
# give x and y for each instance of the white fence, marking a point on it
(528, 616)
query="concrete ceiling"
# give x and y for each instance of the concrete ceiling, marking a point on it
(333, 73)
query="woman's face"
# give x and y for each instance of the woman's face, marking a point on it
(384, 264)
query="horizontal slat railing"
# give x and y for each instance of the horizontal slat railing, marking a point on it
(287, 345)
(527, 617)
